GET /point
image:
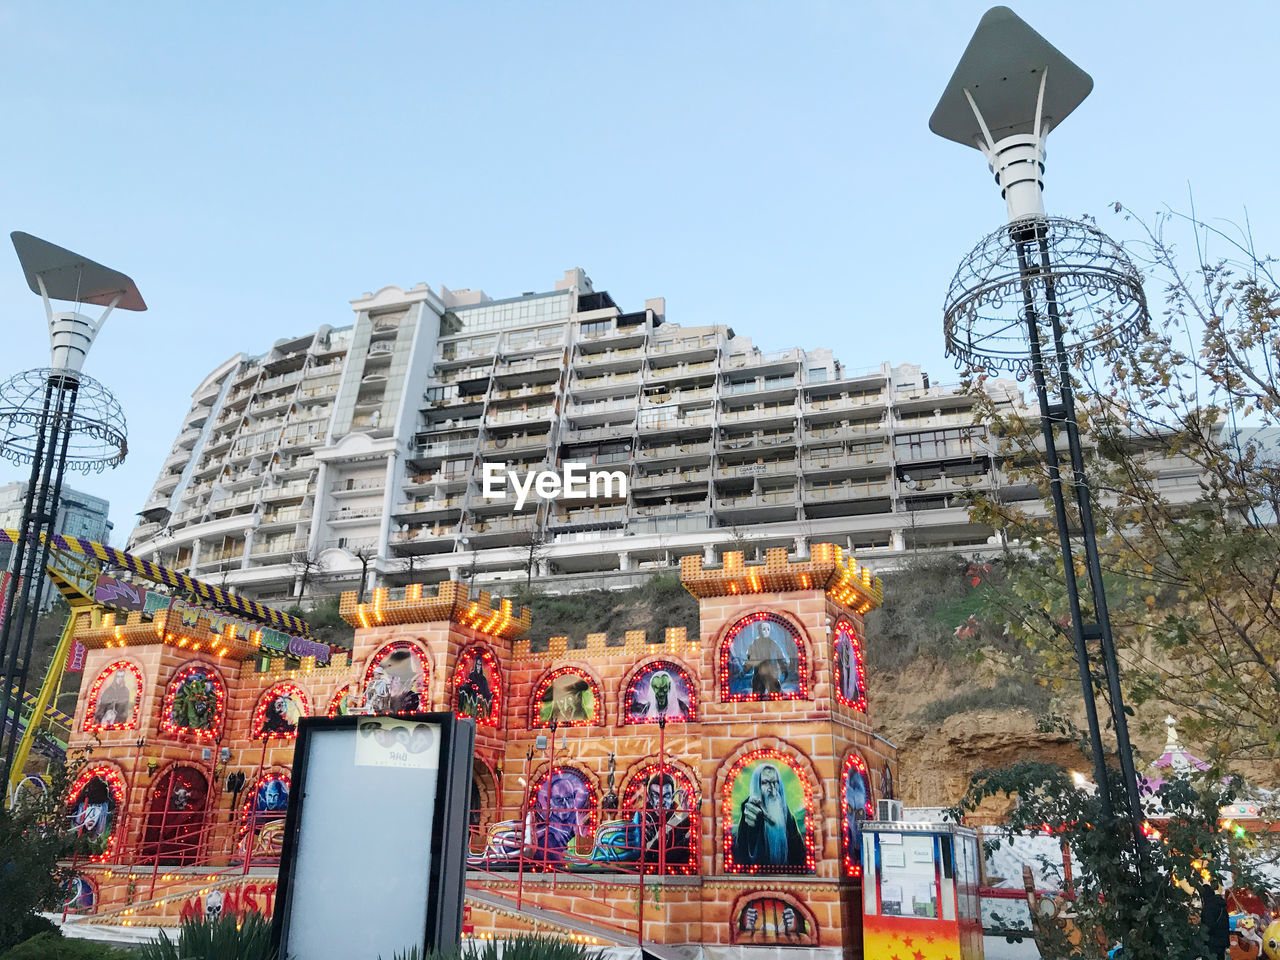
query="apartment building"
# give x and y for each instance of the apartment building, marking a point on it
(358, 452)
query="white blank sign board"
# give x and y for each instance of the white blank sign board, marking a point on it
(362, 865)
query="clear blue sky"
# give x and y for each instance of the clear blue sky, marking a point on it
(765, 165)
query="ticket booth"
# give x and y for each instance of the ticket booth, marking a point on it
(920, 887)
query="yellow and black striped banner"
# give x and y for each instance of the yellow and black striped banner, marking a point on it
(206, 592)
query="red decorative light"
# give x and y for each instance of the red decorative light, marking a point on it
(854, 765)
(635, 798)
(463, 685)
(412, 695)
(726, 807)
(290, 691)
(115, 786)
(648, 670)
(845, 634)
(190, 672)
(91, 710)
(802, 668)
(335, 705)
(543, 698)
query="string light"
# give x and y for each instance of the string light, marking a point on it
(810, 861)
(541, 696)
(854, 765)
(187, 673)
(466, 661)
(289, 691)
(91, 711)
(726, 648)
(335, 705)
(690, 714)
(846, 634)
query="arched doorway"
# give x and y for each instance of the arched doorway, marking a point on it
(176, 810)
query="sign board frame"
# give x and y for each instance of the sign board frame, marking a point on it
(370, 742)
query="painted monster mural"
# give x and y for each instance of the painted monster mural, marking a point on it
(396, 679)
(113, 698)
(569, 697)
(477, 686)
(262, 826)
(856, 790)
(563, 815)
(661, 691)
(278, 712)
(767, 813)
(96, 799)
(762, 658)
(851, 674)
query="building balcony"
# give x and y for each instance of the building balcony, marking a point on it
(443, 479)
(352, 486)
(817, 462)
(507, 446)
(546, 390)
(187, 438)
(288, 491)
(778, 360)
(759, 414)
(425, 538)
(775, 501)
(587, 384)
(677, 451)
(590, 517)
(671, 478)
(436, 507)
(695, 419)
(529, 415)
(288, 516)
(867, 490)
(679, 371)
(279, 547)
(502, 527)
(771, 468)
(705, 346)
(351, 514)
(276, 383)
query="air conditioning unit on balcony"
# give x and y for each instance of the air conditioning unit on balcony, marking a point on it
(890, 810)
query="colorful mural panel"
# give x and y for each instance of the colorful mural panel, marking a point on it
(855, 788)
(775, 918)
(569, 697)
(564, 814)
(665, 802)
(762, 658)
(396, 679)
(851, 672)
(194, 703)
(262, 819)
(661, 690)
(477, 686)
(114, 698)
(768, 816)
(278, 712)
(97, 797)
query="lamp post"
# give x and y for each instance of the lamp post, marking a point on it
(1037, 297)
(53, 418)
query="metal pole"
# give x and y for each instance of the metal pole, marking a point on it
(1064, 530)
(1088, 537)
(662, 807)
(524, 823)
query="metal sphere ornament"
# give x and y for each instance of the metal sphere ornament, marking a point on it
(95, 425)
(1047, 267)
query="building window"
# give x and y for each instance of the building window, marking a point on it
(596, 328)
(817, 374)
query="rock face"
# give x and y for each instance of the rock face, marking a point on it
(936, 760)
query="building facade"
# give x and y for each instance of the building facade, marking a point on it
(79, 515)
(360, 452)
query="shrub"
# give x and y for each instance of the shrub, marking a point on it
(522, 946)
(222, 939)
(51, 945)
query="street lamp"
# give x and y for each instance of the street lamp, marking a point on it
(53, 418)
(1037, 297)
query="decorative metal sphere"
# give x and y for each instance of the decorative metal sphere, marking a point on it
(1042, 264)
(96, 427)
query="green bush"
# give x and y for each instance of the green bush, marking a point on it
(522, 946)
(53, 946)
(222, 939)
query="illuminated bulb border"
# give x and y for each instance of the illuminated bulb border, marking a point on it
(103, 677)
(336, 702)
(418, 655)
(115, 784)
(726, 808)
(802, 663)
(465, 660)
(261, 782)
(220, 703)
(650, 668)
(845, 629)
(535, 704)
(631, 802)
(852, 854)
(260, 711)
